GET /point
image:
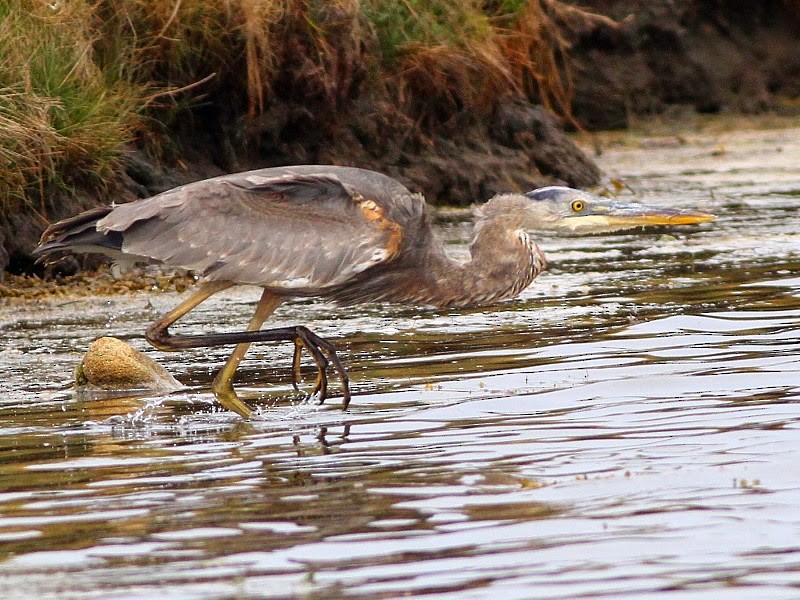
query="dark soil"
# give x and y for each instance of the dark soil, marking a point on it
(711, 55)
(519, 148)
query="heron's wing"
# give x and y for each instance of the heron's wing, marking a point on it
(292, 231)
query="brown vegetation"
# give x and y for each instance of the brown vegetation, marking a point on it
(251, 81)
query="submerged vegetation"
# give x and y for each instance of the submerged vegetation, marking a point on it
(80, 80)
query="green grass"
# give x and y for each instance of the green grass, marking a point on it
(405, 27)
(444, 57)
(64, 120)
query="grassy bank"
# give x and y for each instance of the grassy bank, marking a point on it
(81, 80)
(63, 118)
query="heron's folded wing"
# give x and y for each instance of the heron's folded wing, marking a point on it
(293, 231)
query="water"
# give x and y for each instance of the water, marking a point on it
(627, 428)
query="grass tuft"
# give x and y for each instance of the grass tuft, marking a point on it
(446, 57)
(63, 121)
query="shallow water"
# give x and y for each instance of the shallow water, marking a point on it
(626, 428)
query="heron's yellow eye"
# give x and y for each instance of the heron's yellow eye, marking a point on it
(577, 205)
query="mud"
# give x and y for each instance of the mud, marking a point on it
(100, 282)
(708, 56)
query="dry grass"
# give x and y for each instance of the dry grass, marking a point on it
(171, 44)
(62, 120)
(26, 146)
(446, 57)
(76, 76)
(537, 55)
(439, 54)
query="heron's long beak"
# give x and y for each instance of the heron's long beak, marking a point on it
(613, 215)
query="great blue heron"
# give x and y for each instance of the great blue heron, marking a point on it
(342, 233)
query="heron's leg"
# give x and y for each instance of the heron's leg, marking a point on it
(159, 336)
(321, 350)
(222, 385)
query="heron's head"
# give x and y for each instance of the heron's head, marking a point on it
(564, 209)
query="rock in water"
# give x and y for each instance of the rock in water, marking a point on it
(111, 364)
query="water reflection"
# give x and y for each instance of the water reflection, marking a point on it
(627, 427)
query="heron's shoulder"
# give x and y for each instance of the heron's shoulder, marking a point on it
(303, 189)
(357, 179)
(329, 185)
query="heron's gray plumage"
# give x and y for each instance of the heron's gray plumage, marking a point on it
(372, 239)
(252, 228)
(343, 233)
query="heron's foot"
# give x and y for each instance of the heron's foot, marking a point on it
(323, 353)
(223, 390)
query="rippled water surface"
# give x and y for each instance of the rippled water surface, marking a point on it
(628, 427)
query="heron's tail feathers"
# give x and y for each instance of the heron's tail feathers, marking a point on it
(78, 234)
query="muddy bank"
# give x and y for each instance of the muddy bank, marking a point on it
(710, 56)
(520, 147)
(626, 58)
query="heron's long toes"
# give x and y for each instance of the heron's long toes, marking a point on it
(309, 341)
(298, 349)
(321, 386)
(320, 344)
(320, 389)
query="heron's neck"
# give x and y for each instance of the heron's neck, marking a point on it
(504, 261)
